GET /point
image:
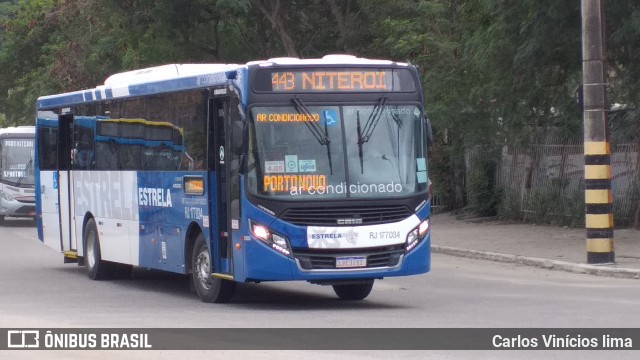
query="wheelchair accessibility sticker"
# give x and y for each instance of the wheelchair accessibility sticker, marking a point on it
(329, 117)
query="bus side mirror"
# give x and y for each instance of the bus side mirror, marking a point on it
(237, 136)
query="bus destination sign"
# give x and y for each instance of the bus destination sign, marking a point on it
(333, 80)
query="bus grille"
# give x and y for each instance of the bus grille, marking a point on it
(314, 259)
(345, 216)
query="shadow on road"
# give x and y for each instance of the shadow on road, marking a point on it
(265, 296)
(18, 223)
(273, 297)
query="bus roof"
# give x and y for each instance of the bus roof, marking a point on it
(18, 130)
(175, 77)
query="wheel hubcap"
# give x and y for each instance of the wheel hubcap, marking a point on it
(91, 254)
(202, 269)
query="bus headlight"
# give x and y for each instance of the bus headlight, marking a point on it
(417, 234)
(6, 196)
(275, 241)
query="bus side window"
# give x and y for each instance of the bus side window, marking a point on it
(83, 156)
(106, 156)
(47, 149)
(127, 159)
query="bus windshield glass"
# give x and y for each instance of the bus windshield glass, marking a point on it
(17, 161)
(304, 152)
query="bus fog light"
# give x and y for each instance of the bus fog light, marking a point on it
(412, 239)
(280, 244)
(279, 240)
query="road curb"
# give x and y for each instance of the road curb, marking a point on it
(599, 270)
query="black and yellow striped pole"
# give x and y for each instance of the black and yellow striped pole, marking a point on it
(599, 202)
(597, 150)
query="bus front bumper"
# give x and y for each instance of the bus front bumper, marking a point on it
(17, 209)
(264, 264)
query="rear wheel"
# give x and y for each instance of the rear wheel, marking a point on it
(208, 288)
(97, 269)
(353, 291)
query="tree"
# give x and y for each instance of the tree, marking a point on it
(495, 71)
(24, 53)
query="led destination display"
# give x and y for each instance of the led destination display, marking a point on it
(334, 80)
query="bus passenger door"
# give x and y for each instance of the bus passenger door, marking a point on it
(219, 155)
(65, 141)
(48, 183)
(55, 190)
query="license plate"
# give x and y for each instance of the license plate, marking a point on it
(351, 261)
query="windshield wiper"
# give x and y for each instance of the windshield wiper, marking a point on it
(316, 130)
(372, 121)
(26, 169)
(360, 142)
(364, 134)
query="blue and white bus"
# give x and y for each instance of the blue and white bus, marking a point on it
(17, 196)
(284, 169)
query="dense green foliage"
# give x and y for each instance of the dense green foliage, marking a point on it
(495, 71)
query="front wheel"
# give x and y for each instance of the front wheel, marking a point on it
(353, 291)
(209, 289)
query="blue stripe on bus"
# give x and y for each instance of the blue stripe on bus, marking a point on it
(178, 84)
(87, 95)
(62, 100)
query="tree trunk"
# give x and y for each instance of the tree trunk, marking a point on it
(287, 42)
(273, 14)
(458, 181)
(530, 165)
(342, 25)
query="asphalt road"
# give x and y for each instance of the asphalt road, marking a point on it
(38, 290)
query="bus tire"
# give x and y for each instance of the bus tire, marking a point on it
(209, 289)
(353, 291)
(97, 269)
(1, 219)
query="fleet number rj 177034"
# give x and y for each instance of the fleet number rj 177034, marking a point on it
(384, 235)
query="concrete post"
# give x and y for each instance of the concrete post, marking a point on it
(597, 150)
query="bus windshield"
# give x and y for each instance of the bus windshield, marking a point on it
(330, 152)
(17, 161)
